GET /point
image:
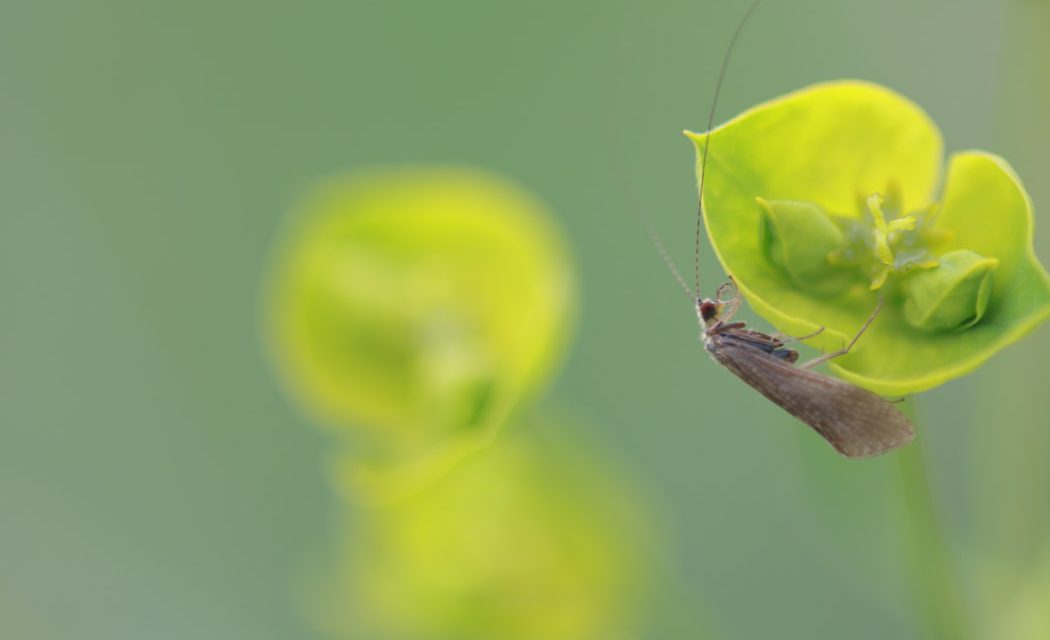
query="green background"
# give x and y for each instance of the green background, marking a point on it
(156, 483)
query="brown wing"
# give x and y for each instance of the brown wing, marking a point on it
(855, 421)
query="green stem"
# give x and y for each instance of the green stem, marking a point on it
(933, 576)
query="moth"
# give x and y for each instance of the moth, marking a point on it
(855, 421)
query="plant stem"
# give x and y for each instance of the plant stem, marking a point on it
(933, 576)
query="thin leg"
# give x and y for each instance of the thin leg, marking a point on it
(722, 287)
(731, 307)
(843, 351)
(789, 339)
(732, 304)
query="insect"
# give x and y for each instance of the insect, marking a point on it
(855, 421)
(858, 423)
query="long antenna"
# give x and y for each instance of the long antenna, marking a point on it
(643, 215)
(707, 142)
(618, 154)
(655, 237)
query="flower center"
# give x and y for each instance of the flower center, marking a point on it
(898, 244)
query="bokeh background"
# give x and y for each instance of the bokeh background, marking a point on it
(156, 481)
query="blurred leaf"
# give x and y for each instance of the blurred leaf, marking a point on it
(420, 305)
(838, 146)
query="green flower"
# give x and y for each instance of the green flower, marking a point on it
(415, 309)
(822, 201)
(535, 538)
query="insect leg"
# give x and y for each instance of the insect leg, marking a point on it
(844, 350)
(789, 339)
(723, 287)
(731, 304)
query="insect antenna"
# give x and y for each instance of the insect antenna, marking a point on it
(654, 236)
(707, 141)
(618, 154)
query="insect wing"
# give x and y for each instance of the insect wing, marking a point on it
(858, 423)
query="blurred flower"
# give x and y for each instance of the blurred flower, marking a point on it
(418, 307)
(532, 539)
(416, 310)
(822, 201)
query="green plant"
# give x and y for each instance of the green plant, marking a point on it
(530, 538)
(412, 310)
(824, 200)
(415, 312)
(827, 200)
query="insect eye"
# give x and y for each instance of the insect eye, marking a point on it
(708, 309)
